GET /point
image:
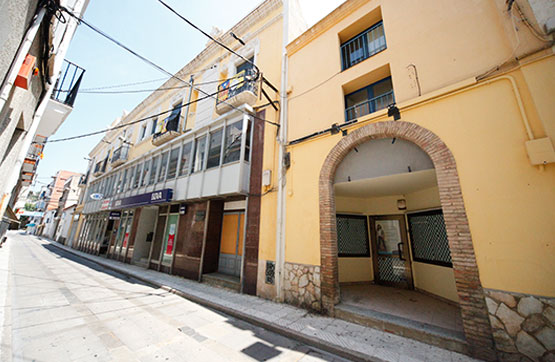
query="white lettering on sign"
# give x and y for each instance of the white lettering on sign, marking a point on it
(156, 196)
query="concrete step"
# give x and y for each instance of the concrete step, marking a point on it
(423, 332)
(222, 280)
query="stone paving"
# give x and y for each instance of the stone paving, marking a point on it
(334, 335)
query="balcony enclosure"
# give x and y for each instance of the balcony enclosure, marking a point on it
(369, 99)
(240, 89)
(120, 155)
(167, 128)
(211, 161)
(363, 46)
(100, 167)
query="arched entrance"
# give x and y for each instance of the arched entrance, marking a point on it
(476, 325)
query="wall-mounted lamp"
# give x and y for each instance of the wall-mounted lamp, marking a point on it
(392, 110)
(335, 129)
(402, 204)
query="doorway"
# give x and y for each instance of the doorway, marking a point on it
(231, 243)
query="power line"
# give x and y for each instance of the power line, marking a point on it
(210, 37)
(136, 121)
(80, 20)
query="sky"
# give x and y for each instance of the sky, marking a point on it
(151, 30)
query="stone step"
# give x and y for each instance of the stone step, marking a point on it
(423, 332)
(222, 281)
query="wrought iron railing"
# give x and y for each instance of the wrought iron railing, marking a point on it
(120, 154)
(363, 46)
(67, 85)
(370, 106)
(241, 82)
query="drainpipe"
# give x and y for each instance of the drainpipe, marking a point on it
(282, 140)
(191, 81)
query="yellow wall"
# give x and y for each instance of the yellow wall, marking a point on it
(435, 279)
(509, 202)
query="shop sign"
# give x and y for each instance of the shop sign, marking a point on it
(114, 215)
(149, 198)
(97, 196)
(105, 204)
(182, 209)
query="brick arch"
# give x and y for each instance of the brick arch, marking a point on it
(474, 313)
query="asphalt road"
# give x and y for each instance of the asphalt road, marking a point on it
(59, 307)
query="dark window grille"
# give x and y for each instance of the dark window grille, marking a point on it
(352, 236)
(363, 46)
(429, 238)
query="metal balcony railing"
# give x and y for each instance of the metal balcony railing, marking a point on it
(363, 46)
(120, 155)
(100, 167)
(67, 85)
(370, 106)
(241, 82)
(83, 180)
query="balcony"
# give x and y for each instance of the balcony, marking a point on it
(369, 106)
(100, 168)
(120, 155)
(83, 181)
(363, 46)
(61, 101)
(241, 89)
(168, 128)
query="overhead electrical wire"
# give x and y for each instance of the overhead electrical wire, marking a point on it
(135, 121)
(90, 26)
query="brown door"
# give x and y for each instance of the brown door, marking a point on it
(390, 251)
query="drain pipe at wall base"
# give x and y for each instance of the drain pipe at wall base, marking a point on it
(282, 140)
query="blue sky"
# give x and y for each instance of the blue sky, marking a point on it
(151, 30)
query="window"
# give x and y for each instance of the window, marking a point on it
(137, 176)
(117, 181)
(172, 122)
(200, 150)
(369, 99)
(163, 167)
(245, 66)
(232, 150)
(123, 182)
(146, 168)
(214, 149)
(142, 133)
(155, 163)
(363, 46)
(131, 173)
(429, 238)
(172, 168)
(352, 236)
(185, 159)
(248, 142)
(153, 126)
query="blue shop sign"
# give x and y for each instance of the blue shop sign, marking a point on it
(155, 197)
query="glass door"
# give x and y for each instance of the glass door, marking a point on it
(169, 239)
(390, 251)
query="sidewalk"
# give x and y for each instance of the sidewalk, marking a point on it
(342, 338)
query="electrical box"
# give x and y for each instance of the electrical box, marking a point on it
(26, 72)
(540, 151)
(266, 178)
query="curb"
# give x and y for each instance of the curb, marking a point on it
(315, 342)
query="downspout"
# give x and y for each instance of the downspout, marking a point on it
(191, 82)
(282, 140)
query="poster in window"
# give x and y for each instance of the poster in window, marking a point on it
(171, 238)
(126, 238)
(388, 235)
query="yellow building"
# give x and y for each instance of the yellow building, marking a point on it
(419, 179)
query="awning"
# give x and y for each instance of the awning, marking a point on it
(10, 216)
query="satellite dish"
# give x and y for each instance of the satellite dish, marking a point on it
(97, 196)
